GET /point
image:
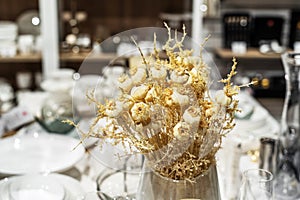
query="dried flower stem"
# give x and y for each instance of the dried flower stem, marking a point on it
(153, 114)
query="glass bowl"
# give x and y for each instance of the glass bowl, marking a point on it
(117, 184)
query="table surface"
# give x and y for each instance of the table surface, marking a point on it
(88, 169)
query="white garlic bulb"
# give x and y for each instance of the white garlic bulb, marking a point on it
(158, 73)
(185, 61)
(151, 95)
(179, 59)
(139, 92)
(125, 83)
(140, 113)
(211, 111)
(139, 76)
(193, 73)
(192, 115)
(178, 77)
(222, 99)
(114, 109)
(181, 131)
(180, 99)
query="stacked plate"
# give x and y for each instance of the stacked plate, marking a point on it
(8, 31)
(36, 186)
(32, 160)
(8, 35)
(39, 153)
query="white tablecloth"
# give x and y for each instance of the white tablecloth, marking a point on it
(247, 132)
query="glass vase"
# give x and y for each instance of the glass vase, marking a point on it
(290, 120)
(153, 186)
(257, 184)
(287, 177)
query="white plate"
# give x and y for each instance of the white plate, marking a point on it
(72, 187)
(39, 153)
(50, 85)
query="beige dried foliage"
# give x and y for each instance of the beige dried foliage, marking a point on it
(146, 121)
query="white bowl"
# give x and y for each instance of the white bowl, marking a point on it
(36, 186)
(63, 73)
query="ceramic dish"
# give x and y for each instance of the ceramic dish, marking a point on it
(36, 187)
(39, 153)
(71, 186)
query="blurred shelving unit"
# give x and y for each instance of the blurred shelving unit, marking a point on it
(64, 57)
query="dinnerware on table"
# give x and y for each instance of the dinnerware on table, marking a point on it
(116, 184)
(36, 187)
(37, 153)
(72, 187)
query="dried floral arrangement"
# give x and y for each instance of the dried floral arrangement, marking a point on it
(167, 112)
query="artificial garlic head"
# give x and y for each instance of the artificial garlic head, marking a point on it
(222, 99)
(138, 75)
(179, 76)
(211, 111)
(180, 99)
(125, 83)
(140, 113)
(181, 131)
(158, 73)
(139, 92)
(192, 115)
(114, 108)
(151, 95)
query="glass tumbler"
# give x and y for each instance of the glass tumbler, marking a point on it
(257, 184)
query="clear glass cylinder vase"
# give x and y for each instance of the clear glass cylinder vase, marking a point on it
(287, 177)
(290, 120)
(153, 186)
(257, 184)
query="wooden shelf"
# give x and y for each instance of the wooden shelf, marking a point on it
(79, 57)
(30, 58)
(64, 57)
(251, 53)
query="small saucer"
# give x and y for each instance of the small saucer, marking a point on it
(36, 186)
(71, 186)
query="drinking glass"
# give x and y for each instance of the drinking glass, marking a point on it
(257, 184)
(117, 184)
